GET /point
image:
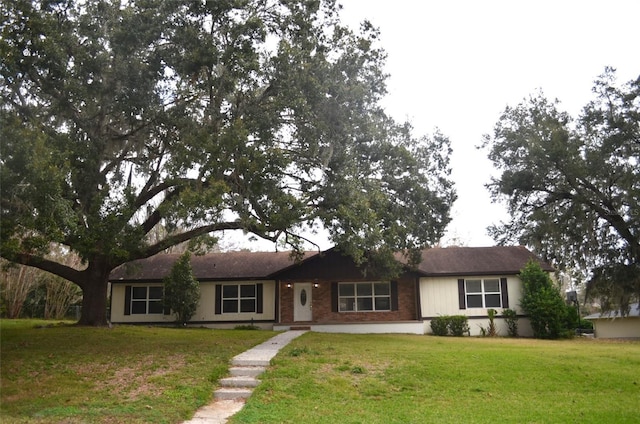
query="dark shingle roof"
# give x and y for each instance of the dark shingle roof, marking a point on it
(477, 260)
(213, 266)
(262, 265)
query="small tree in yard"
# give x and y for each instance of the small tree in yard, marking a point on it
(491, 330)
(182, 290)
(542, 301)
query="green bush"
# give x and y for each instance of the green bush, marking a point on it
(454, 325)
(458, 325)
(542, 301)
(572, 317)
(511, 318)
(585, 324)
(439, 326)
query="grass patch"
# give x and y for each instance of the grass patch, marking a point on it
(54, 372)
(418, 379)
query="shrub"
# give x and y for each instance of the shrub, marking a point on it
(511, 318)
(585, 324)
(454, 325)
(458, 325)
(572, 317)
(491, 330)
(543, 303)
(439, 326)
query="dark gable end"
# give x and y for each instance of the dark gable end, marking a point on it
(325, 266)
(330, 265)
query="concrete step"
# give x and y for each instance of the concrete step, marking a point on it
(246, 371)
(239, 381)
(231, 393)
(250, 362)
(217, 412)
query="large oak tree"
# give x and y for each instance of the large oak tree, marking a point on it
(573, 185)
(121, 116)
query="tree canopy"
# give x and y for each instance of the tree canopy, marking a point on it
(261, 116)
(573, 185)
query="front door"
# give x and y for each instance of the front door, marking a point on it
(302, 302)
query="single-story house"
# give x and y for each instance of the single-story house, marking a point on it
(327, 291)
(611, 325)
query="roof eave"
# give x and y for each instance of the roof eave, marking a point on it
(467, 273)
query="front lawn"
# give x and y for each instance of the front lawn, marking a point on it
(65, 374)
(54, 373)
(329, 378)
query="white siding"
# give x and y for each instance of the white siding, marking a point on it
(617, 328)
(364, 328)
(206, 307)
(439, 296)
(118, 307)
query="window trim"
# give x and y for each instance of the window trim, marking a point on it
(130, 300)
(257, 298)
(373, 296)
(483, 293)
(502, 287)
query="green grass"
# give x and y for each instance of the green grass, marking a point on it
(128, 374)
(329, 378)
(57, 373)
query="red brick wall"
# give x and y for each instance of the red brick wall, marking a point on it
(321, 305)
(286, 302)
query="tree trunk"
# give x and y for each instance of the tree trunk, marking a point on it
(94, 297)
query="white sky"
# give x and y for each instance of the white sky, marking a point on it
(456, 65)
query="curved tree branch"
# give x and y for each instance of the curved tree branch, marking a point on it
(53, 267)
(188, 235)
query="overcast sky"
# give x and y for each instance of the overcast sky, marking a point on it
(456, 65)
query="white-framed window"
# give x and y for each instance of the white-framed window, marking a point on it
(239, 298)
(483, 293)
(369, 296)
(146, 300)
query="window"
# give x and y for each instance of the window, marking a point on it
(239, 298)
(358, 297)
(483, 293)
(146, 300)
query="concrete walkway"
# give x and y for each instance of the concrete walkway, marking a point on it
(245, 368)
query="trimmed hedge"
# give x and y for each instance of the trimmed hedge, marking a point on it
(453, 325)
(440, 326)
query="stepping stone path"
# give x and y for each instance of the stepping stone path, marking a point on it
(243, 378)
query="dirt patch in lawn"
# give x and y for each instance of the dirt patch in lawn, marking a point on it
(137, 378)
